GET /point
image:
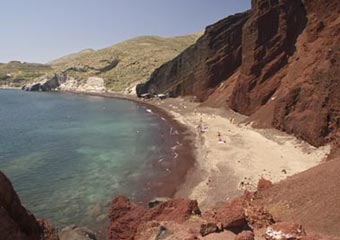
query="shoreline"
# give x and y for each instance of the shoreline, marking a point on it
(219, 171)
(185, 148)
(224, 170)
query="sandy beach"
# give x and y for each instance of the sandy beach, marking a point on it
(232, 156)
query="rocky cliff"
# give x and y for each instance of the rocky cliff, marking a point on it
(15, 221)
(203, 66)
(277, 63)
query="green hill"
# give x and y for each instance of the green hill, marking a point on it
(120, 65)
(125, 63)
(16, 74)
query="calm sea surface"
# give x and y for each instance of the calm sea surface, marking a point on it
(67, 155)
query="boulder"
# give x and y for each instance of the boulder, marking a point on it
(76, 233)
(46, 83)
(208, 228)
(33, 87)
(93, 84)
(230, 214)
(258, 217)
(245, 235)
(48, 231)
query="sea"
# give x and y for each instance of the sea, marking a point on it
(69, 155)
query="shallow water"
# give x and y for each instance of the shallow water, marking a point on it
(67, 155)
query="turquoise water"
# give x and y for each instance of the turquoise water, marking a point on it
(68, 155)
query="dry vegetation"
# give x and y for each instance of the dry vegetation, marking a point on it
(119, 65)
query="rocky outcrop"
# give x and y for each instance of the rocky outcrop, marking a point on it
(241, 219)
(64, 82)
(76, 233)
(48, 230)
(126, 217)
(203, 66)
(230, 214)
(15, 221)
(46, 83)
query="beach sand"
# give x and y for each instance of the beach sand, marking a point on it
(224, 169)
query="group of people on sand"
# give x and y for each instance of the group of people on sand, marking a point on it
(201, 129)
(220, 140)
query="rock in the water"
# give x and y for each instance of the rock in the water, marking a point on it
(34, 87)
(76, 233)
(46, 83)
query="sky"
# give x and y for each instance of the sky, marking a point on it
(43, 30)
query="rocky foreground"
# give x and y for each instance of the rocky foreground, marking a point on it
(244, 218)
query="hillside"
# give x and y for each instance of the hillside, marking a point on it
(125, 63)
(16, 74)
(120, 66)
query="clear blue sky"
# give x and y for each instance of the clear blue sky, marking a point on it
(42, 30)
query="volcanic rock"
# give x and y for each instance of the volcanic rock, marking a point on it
(76, 233)
(48, 231)
(230, 214)
(126, 217)
(15, 221)
(285, 231)
(263, 184)
(203, 66)
(208, 228)
(279, 63)
(245, 235)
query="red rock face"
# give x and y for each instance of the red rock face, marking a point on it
(126, 217)
(268, 40)
(290, 68)
(203, 66)
(15, 221)
(278, 63)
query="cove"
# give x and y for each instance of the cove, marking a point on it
(68, 155)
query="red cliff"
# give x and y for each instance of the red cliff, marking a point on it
(277, 63)
(15, 221)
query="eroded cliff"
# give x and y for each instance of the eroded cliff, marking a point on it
(277, 63)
